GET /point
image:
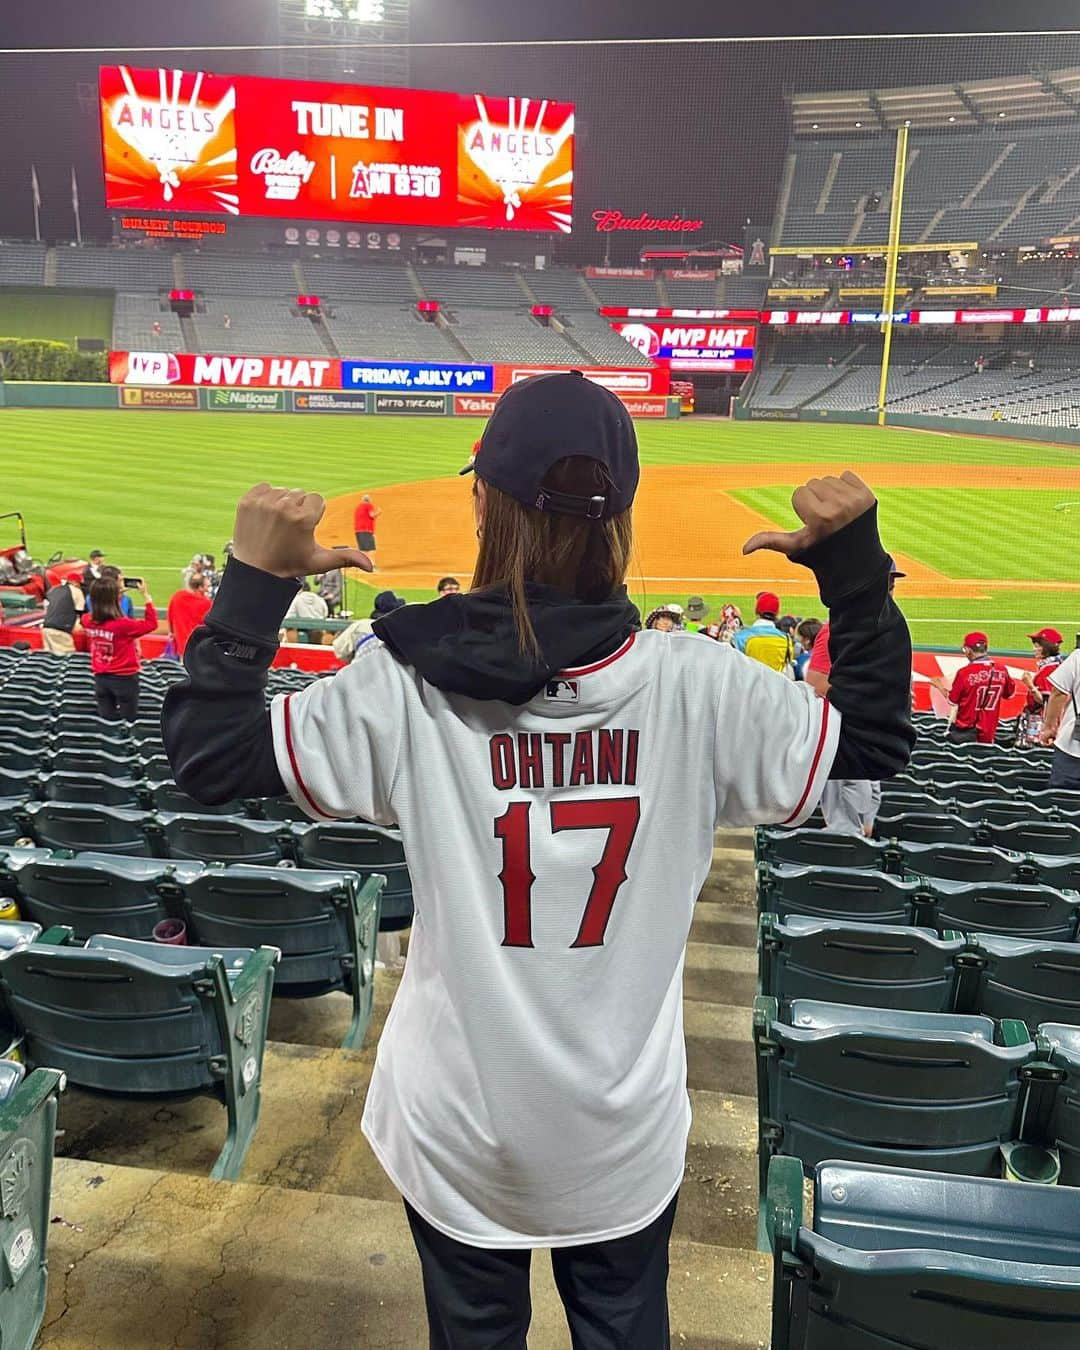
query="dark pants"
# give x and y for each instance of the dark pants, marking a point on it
(365, 541)
(117, 697)
(614, 1293)
(1065, 770)
(962, 735)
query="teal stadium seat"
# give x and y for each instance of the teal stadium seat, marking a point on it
(1033, 981)
(157, 768)
(11, 823)
(166, 796)
(960, 862)
(917, 828)
(1005, 908)
(837, 893)
(1046, 837)
(277, 808)
(20, 755)
(78, 826)
(27, 1133)
(94, 761)
(138, 1019)
(368, 850)
(903, 1089)
(223, 839)
(1063, 1043)
(871, 965)
(324, 923)
(1002, 811)
(98, 892)
(96, 788)
(819, 848)
(900, 1260)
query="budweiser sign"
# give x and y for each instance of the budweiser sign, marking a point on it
(606, 221)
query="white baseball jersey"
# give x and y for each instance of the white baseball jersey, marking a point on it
(530, 1084)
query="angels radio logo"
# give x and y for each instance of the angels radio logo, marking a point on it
(518, 164)
(169, 139)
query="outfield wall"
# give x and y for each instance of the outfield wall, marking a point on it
(179, 398)
(959, 426)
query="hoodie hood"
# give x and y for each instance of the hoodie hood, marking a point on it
(467, 644)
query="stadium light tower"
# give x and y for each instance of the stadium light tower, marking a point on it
(375, 26)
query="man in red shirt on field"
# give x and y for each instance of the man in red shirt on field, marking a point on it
(364, 519)
(187, 609)
(977, 693)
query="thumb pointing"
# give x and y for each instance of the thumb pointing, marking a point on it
(774, 540)
(330, 559)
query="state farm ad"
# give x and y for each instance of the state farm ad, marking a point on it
(192, 141)
(224, 372)
(692, 344)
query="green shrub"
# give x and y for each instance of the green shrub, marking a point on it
(41, 359)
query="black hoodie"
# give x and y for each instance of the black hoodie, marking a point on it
(216, 725)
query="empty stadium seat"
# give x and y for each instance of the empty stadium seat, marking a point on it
(11, 823)
(911, 1089)
(99, 892)
(166, 796)
(27, 1134)
(1004, 908)
(836, 893)
(97, 788)
(818, 847)
(873, 965)
(79, 825)
(1033, 981)
(367, 850)
(1002, 811)
(1047, 837)
(223, 838)
(921, 1261)
(138, 1019)
(960, 862)
(1063, 1126)
(324, 924)
(915, 827)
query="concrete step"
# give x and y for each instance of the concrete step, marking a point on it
(141, 1259)
(731, 877)
(727, 973)
(727, 925)
(309, 1135)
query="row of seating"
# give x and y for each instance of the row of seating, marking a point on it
(324, 923)
(1031, 909)
(918, 970)
(149, 794)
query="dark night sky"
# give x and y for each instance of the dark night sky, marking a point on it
(695, 129)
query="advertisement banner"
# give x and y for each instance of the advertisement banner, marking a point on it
(621, 380)
(411, 405)
(692, 345)
(472, 405)
(176, 400)
(245, 400)
(690, 274)
(646, 407)
(432, 376)
(193, 141)
(632, 312)
(638, 273)
(230, 372)
(330, 402)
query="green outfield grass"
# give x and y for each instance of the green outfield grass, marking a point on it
(152, 488)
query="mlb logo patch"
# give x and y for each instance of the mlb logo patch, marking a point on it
(562, 691)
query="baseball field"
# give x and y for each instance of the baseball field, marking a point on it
(986, 529)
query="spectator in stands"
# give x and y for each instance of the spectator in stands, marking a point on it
(306, 604)
(155, 328)
(977, 693)
(114, 649)
(187, 609)
(696, 612)
(92, 570)
(63, 605)
(448, 586)
(331, 589)
(1046, 644)
(1061, 727)
(350, 640)
(764, 641)
(110, 573)
(1031, 365)
(665, 618)
(731, 622)
(195, 566)
(807, 634)
(226, 321)
(364, 518)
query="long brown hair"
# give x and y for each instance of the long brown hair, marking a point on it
(584, 558)
(104, 599)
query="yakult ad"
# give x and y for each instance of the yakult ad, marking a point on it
(238, 145)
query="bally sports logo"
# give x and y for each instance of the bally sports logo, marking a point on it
(283, 175)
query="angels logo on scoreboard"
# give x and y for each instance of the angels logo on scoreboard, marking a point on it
(517, 166)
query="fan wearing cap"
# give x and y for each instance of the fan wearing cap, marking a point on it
(764, 640)
(63, 605)
(530, 1085)
(977, 693)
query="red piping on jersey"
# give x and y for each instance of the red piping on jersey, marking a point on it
(296, 767)
(599, 665)
(814, 765)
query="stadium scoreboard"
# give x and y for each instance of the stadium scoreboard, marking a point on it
(237, 145)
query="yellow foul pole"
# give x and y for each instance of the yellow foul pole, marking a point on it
(892, 256)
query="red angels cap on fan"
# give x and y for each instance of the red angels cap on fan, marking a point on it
(1046, 635)
(976, 640)
(767, 603)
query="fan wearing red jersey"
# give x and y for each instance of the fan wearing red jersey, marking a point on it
(977, 692)
(530, 1085)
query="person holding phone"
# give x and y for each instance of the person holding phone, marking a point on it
(114, 648)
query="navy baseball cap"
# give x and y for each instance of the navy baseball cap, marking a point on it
(550, 417)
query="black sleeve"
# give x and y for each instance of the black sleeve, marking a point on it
(870, 649)
(215, 724)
